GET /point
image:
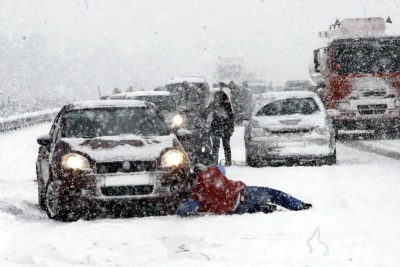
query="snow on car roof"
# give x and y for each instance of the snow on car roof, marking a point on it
(108, 103)
(147, 93)
(286, 94)
(189, 79)
(270, 97)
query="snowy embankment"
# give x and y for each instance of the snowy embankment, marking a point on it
(27, 119)
(354, 220)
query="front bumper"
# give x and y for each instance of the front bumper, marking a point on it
(158, 191)
(368, 114)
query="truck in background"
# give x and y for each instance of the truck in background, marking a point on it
(358, 71)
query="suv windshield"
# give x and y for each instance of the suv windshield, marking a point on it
(89, 123)
(162, 102)
(289, 106)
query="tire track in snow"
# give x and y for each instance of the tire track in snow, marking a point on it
(373, 149)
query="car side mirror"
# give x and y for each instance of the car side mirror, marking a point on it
(321, 84)
(333, 112)
(44, 140)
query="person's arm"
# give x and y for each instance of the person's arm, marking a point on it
(187, 208)
(208, 110)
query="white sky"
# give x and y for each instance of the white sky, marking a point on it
(148, 42)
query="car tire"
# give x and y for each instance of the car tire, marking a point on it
(53, 208)
(331, 160)
(252, 162)
(41, 194)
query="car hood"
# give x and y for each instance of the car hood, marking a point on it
(295, 121)
(122, 148)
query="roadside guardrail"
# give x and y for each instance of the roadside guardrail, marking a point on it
(27, 119)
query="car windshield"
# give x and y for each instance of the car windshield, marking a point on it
(89, 123)
(164, 103)
(289, 106)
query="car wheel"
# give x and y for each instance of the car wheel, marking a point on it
(252, 162)
(41, 194)
(54, 211)
(331, 160)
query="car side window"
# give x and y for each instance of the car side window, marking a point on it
(55, 129)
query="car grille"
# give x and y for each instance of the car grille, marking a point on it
(127, 190)
(122, 166)
(291, 131)
(372, 109)
(373, 93)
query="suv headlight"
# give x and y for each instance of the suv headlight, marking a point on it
(75, 161)
(178, 120)
(172, 158)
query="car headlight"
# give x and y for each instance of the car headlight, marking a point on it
(259, 132)
(342, 105)
(322, 130)
(177, 120)
(75, 161)
(172, 158)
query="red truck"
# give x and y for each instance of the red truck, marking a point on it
(358, 71)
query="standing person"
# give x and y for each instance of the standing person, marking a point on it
(198, 146)
(237, 103)
(222, 124)
(214, 192)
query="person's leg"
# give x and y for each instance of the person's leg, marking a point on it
(215, 148)
(227, 149)
(259, 195)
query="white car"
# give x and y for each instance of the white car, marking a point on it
(289, 128)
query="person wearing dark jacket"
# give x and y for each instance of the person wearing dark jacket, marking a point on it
(214, 192)
(222, 124)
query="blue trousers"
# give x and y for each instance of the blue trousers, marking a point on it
(255, 197)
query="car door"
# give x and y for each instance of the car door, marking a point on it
(45, 151)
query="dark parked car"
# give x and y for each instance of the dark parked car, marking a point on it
(108, 155)
(163, 100)
(299, 85)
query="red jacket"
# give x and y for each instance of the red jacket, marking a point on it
(214, 192)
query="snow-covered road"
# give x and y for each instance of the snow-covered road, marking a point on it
(354, 220)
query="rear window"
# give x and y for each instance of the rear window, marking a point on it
(166, 103)
(289, 106)
(89, 123)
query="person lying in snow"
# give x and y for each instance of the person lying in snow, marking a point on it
(213, 192)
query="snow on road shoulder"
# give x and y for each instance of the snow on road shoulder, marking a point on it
(388, 145)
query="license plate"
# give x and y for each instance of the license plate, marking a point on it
(121, 180)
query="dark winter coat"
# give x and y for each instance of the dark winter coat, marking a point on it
(222, 115)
